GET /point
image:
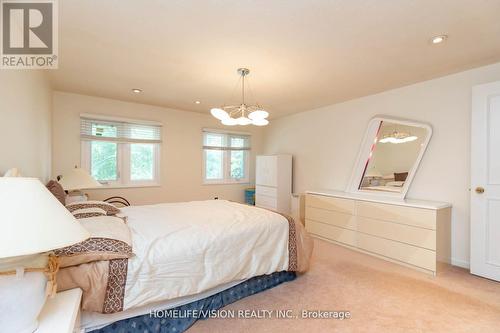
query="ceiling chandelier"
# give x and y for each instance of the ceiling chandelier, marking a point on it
(242, 114)
(398, 137)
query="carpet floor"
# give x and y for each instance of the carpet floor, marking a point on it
(381, 297)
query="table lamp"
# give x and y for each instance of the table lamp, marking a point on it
(74, 181)
(32, 222)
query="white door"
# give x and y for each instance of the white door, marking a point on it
(266, 167)
(485, 181)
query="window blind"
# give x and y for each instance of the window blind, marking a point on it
(225, 141)
(95, 129)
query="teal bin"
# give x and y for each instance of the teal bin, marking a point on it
(250, 196)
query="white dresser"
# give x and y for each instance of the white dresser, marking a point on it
(410, 232)
(273, 182)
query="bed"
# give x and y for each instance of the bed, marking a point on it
(184, 252)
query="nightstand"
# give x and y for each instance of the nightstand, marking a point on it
(61, 314)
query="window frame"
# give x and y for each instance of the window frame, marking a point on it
(123, 163)
(226, 159)
(156, 167)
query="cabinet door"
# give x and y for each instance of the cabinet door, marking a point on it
(266, 171)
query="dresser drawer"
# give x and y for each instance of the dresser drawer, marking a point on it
(419, 217)
(402, 252)
(266, 190)
(399, 232)
(341, 235)
(336, 204)
(266, 202)
(331, 217)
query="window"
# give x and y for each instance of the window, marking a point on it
(121, 152)
(225, 157)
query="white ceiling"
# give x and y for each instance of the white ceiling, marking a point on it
(302, 53)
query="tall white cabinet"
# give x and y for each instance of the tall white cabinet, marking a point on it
(273, 182)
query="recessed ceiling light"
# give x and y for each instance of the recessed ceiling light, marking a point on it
(197, 102)
(136, 90)
(438, 39)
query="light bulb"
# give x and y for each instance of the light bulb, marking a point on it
(438, 39)
(260, 122)
(258, 114)
(219, 113)
(410, 138)
(229, 121)
(243, 121)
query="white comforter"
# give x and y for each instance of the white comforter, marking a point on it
(189, 247)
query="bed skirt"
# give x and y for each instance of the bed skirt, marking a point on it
(163, 323)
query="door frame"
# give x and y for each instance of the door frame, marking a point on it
(481, 96)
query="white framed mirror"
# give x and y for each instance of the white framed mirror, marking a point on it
(389, 157)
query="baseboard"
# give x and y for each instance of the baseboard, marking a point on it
(460, 263)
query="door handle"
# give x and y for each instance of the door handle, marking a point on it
(479, 190)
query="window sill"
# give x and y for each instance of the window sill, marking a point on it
(106, 187)
(227, 183)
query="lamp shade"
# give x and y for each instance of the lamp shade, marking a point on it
(32, 220)
(219, 113)
(78, 179)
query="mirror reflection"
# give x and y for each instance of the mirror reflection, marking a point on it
(394, 153)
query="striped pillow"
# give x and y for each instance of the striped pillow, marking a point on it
(83, 213)
(107, 207)
(110, 239)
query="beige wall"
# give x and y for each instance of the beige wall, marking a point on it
(181, 155)
(25, 122)
(325, 142)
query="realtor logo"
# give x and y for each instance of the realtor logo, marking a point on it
(29, 34)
